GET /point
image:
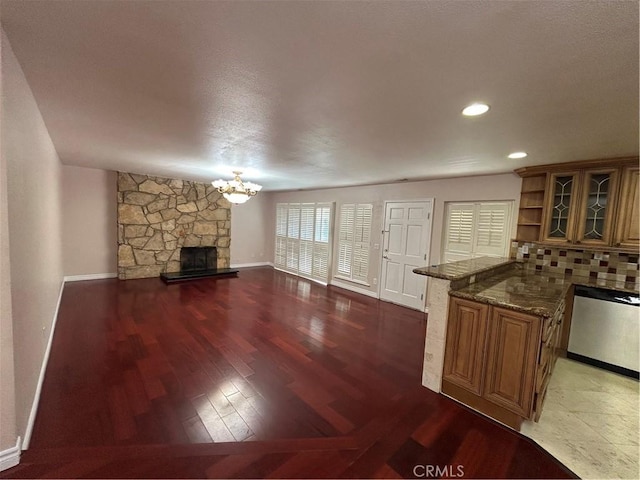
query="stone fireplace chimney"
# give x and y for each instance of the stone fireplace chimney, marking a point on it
(160, 217)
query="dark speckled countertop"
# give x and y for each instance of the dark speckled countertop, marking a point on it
(463, 268)
(530, 291)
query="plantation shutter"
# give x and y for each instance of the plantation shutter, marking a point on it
(307, 214)
(322, 233)
(458, 231)
(281, 235)
(293, 234)
(476, 229)
(345, 239)
(354, 241)
(492, 234)
(361, 242)
(303, 239)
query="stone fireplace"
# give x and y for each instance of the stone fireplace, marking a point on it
(158, 217)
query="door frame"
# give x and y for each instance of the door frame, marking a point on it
(428, 246)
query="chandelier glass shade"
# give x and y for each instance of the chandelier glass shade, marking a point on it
(236, 191)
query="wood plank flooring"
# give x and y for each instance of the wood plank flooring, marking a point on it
(265, 375)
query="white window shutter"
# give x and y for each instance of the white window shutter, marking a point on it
(307, 214)
(281, 252)
(306, 257)
(303, 235)
(282, 210)
(321, 261)
(362, 239)
(458, 243)
(293, 224)
(323, 224)
(492, 229)
(345, 239)
(476, 229)
(354, 241)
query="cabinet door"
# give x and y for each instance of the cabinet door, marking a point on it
(597, 204)
(627, 224)
(466, 341)
(514, 341)
(560, 210)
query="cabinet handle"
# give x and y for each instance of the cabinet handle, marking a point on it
(618, 244)
(577, 241)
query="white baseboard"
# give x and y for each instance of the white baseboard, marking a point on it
(43, 370)
(10, 457)
(91, 276)
(246, 265)
(353, 288)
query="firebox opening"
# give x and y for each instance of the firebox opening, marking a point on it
(194, 259)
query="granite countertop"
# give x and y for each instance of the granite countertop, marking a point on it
(530, 291)
(463, 268)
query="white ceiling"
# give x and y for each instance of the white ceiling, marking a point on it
(329, 93)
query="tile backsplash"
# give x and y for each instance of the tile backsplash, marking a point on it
(616, 266)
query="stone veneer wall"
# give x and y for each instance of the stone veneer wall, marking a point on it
(603, 265)
(158, 216)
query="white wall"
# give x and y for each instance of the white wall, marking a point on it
(249, 232)
(8, 430)
(89, 234)
(35, 250)
(490, 187)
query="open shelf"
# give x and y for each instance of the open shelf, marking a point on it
(532, 199)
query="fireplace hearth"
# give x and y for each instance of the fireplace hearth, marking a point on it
(196, 263)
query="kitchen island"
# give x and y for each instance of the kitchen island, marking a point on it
(494, 331)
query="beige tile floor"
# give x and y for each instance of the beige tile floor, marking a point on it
(590, 421)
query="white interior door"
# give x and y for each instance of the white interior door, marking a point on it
(407, 234)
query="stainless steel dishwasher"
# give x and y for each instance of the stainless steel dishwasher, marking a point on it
(605, 330)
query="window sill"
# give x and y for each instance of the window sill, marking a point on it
(358, 282)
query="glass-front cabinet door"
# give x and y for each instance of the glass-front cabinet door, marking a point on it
(560, 211)
(597, 197)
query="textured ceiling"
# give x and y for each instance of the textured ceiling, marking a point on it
(314, 94)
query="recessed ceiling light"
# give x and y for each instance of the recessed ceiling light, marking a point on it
(518, 155)
(475, 109)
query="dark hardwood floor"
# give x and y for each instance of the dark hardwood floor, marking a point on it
(265, 375)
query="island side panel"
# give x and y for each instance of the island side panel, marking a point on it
(438, 304)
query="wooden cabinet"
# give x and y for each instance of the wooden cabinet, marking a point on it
(514, 340)
(550, 350)
(580, 206)
(499, 361)
(581, 201)
(466, 344)
(628, 222)
(559, 215)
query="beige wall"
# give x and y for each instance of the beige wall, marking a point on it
(89, 234)
(8, 432)
(251, 241)
(34, 207)
(490, 187)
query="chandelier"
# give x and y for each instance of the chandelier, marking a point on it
(236, 191)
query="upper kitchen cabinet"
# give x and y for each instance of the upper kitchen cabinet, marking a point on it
(559, 214)
(579, 206)
(597, 204)
(580, 203)
(627, 233)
